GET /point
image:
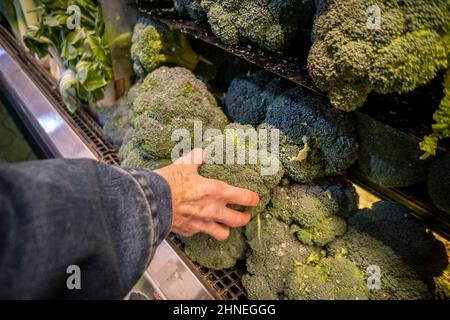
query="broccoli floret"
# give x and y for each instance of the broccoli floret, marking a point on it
(441, 128)
(274, 253)
(247, 176)
(134, 92)
(332, 278)
(192, 8)
(386, 46)
(214, 254)
(130, 155)
(249, 96)
(387, 237)
(388, 156)
(321, 6)
(155, 44)
(115, 122)
(438, 183)
(169, 99)
(271, 24)
(316, 141)
(135, 160)
(314, 212)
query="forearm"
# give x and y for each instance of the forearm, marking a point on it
(58, 213)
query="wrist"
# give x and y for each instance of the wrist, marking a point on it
(159, 198)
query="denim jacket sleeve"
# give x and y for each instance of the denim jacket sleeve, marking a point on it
(106, 220)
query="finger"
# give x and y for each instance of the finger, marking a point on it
(217, 213)
(184, 233)
(231, 218)
(242, 197)
(215, 230)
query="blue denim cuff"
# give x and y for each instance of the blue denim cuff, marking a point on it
(159, 198)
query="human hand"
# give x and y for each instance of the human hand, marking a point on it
(200, 204)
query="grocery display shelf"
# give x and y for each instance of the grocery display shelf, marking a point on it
(409, 113)
(406, 113)
(172, 273)
(432, 217)
(285, 65)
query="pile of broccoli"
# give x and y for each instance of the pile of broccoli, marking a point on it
(287, 244)
(386, 46)
(388, 238)
(281, 267)
(155, 44)
(388, 156)
(305, 240)
(167, 99)
(438, 183)
(172, 98)
(271, 24)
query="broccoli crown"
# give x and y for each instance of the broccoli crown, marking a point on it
(387, 46)
(155, 44)
(314, 212)
(274, 252)
(115, 120)
(271, 24)
(315, 141)
(247, 176)
(441, 127)
(134, 92)
(388, 156)
(321, 6)
(387, 237)
(438, 183)
(332, 278)
(192, 8)
(131, 156)
(249, 96)
(217, 255)
(168, 99)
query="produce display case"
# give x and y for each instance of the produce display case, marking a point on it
(172, 275)
(291, 65)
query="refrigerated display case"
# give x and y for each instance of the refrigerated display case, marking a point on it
(33, 95)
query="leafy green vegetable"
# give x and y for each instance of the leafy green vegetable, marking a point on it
(81, 47)
(20, 14)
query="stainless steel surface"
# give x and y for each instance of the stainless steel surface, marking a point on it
(37, 113)
(172, 279)
(168, 274)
